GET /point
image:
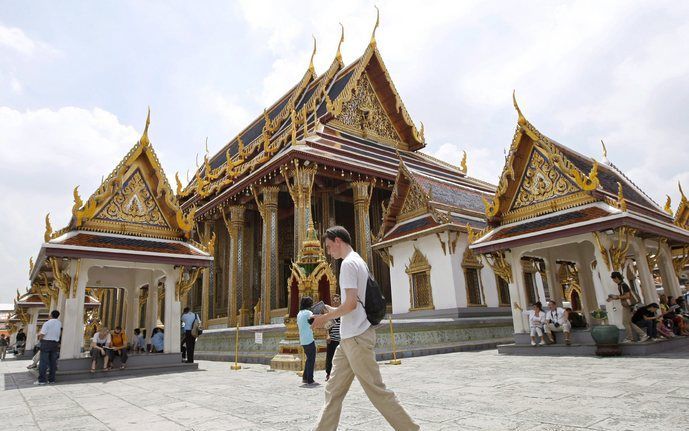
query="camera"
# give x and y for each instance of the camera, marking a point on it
(556, 324)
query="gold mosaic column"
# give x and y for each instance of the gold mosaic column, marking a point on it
(300, 189)
(235, 266)
(363, 190)
(205, 282)
(268, 208)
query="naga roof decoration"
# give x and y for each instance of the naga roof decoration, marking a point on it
(135, 199)
(359, 99)
(682, 213)
(542, 176)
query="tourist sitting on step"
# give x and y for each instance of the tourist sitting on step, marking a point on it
(99, 343)
(646, 318)
(157, 341)
(139, 343)
(536, 321)
(673, 317)
(557, 320)
(681, 311)
(119, 347)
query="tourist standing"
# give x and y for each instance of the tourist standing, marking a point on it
(4, 342)
(627, 300)
(355, 356)
(20, 342)
(49, 337)
(189, 318)
(333, 338)
(308, 344)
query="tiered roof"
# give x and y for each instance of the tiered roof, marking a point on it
(349, 117)
(548, 190)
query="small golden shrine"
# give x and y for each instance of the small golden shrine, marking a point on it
(311, 275)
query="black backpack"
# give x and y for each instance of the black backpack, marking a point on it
(375, 302)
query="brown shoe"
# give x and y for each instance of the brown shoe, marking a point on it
(568, 342)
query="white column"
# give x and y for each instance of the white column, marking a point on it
(551, 276)
(73, 322)
(648, 286)
(517, 292)
(667, 272)
(32, 329)
(61, 302)
(173, 313)
(132, 299)
(607, 286)
(151, 307)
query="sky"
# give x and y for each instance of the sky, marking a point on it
(76, 79)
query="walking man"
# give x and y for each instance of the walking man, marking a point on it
(355, 356)
(189, 337)
(49, 338)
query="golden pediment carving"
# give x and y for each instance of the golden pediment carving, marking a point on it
(364, 113)
(133, 203)
(542, 181)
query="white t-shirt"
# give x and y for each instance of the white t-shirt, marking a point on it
(96, 339)
(51, 330)
(353, 275)
(535, 321)
(557, 315)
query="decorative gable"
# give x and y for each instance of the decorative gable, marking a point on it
(135, 199)
(363, 114)
(542, 181)
(133, 203)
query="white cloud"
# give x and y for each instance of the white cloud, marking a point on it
(14, 39)
(46, 153)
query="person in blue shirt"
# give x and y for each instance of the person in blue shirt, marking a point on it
(157, 340)
(304, 319)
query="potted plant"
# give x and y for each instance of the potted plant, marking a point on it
(606, 336)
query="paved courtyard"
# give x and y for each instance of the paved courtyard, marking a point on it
(459, 391)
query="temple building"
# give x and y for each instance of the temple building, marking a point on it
(573, 220)
(329, 152)
(125, 259)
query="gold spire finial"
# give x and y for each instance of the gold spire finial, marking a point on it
(313, 54)
(207, 145)
(144, 137)
(681, 192)
(338, 56)
(373, 35)
(521, 120)
(30, 265)
(48, 228)
(463, 164)
(668, 205)
(605, 150)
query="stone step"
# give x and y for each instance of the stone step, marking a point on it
(589, 349)
(117, 373)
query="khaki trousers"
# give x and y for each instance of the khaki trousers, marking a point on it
(629, 327)
(355, 357)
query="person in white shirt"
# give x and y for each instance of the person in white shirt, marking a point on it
(536, 321)
(557, 320)
(188, 318)
(355, 356)
(101, 340)
(49, 337)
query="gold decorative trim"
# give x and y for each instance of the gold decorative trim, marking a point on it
(501, 267)
(420, 297)
(615, 255)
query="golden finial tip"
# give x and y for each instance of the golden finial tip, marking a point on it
(375, 27)
(313, 54)
(681, 192)
(521, 120)
(339, 45)
(463, 164)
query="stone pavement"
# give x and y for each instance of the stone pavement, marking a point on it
(457, 391)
